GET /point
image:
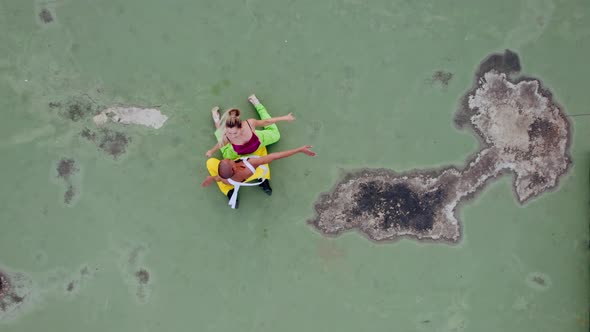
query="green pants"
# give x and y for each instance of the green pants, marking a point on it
(267, 136)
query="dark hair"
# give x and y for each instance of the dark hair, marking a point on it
(233, 119)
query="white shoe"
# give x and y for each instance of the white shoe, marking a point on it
(215, 115)
(253, 100)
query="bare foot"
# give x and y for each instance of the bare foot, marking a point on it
(215, 115)
(253, 100)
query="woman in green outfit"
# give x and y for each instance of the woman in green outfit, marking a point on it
(241, 138)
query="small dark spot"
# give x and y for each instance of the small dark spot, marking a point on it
(88, 134)
(539, 280)
(70, 286)
(113, 142)
(142, 276)
(45, 16)
(265, 233)
(84, 271)
(54, 104)
(69, 194)
(426, 321)
(443, 77)
(66, 168)
(16, 299)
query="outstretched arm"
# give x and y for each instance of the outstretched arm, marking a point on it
(267, 122)
(210, 179)
(280, 155)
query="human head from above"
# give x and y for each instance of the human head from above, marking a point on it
(226, 168)
(233, 123)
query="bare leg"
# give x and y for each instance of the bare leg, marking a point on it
(215, 115)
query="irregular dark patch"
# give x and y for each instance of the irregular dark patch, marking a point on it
(4, 284)
(75, 112)
(66, 168)
(544, 128)
(397, 205)
(462, 118)
(70, 286)
(537, 180)
(69, 194)
(539, 280)
(8, 297)
(113, 142)
(79, 108)
(16, 299)
(45, 16)
(507, 63)
(443, 77)
(84, 271)
(142, 276)
(88, 134)
(54, 104)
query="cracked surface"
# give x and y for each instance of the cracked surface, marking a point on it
(521, 130)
